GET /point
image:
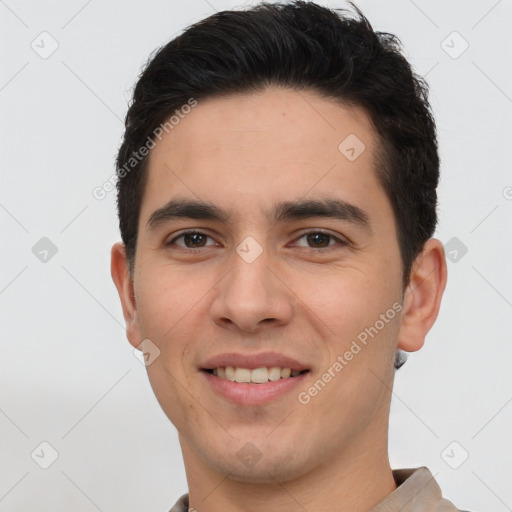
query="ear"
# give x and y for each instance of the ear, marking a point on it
(422, 297)
(124, 284)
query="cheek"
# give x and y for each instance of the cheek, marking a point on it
(354, 311)
(173, 312)
(165, 299)
(168, 306)
(166, 310)
(362, 343)
(345, 299)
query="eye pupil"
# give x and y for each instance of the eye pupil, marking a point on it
(316, 238)
(196, 239)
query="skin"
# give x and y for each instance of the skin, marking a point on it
(307, 299)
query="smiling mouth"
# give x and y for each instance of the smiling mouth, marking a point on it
(260, 375)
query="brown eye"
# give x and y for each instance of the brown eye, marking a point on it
(194, 240)
(191, 240)
(319, 240)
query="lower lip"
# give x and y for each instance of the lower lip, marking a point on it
(253, 394)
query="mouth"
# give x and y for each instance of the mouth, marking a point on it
(253, 379)
(260, 375)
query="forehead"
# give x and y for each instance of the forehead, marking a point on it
(266, 147)
(239, 126)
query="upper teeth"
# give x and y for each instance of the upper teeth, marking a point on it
(258, 375)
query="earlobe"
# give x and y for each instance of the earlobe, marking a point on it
(423, 296)
(124, 284)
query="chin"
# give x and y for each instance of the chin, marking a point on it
(270, 469)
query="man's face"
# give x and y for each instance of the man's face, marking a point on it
(288, 283)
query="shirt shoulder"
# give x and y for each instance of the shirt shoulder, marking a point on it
(417, 491)
(181, 505)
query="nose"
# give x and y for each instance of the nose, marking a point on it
(252, 296)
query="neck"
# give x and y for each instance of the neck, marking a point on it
(356, 481)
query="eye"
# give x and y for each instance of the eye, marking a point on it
(311, 239)
(191, 240)
(319, 240)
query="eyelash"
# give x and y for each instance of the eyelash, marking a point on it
(306, 233)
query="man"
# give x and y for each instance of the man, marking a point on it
(277, 198)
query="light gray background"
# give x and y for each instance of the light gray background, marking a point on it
(68, 375)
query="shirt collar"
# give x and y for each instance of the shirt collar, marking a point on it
(417, 491)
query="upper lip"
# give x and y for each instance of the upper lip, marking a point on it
(252, 361)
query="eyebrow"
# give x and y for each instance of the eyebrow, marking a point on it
(287, 210)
